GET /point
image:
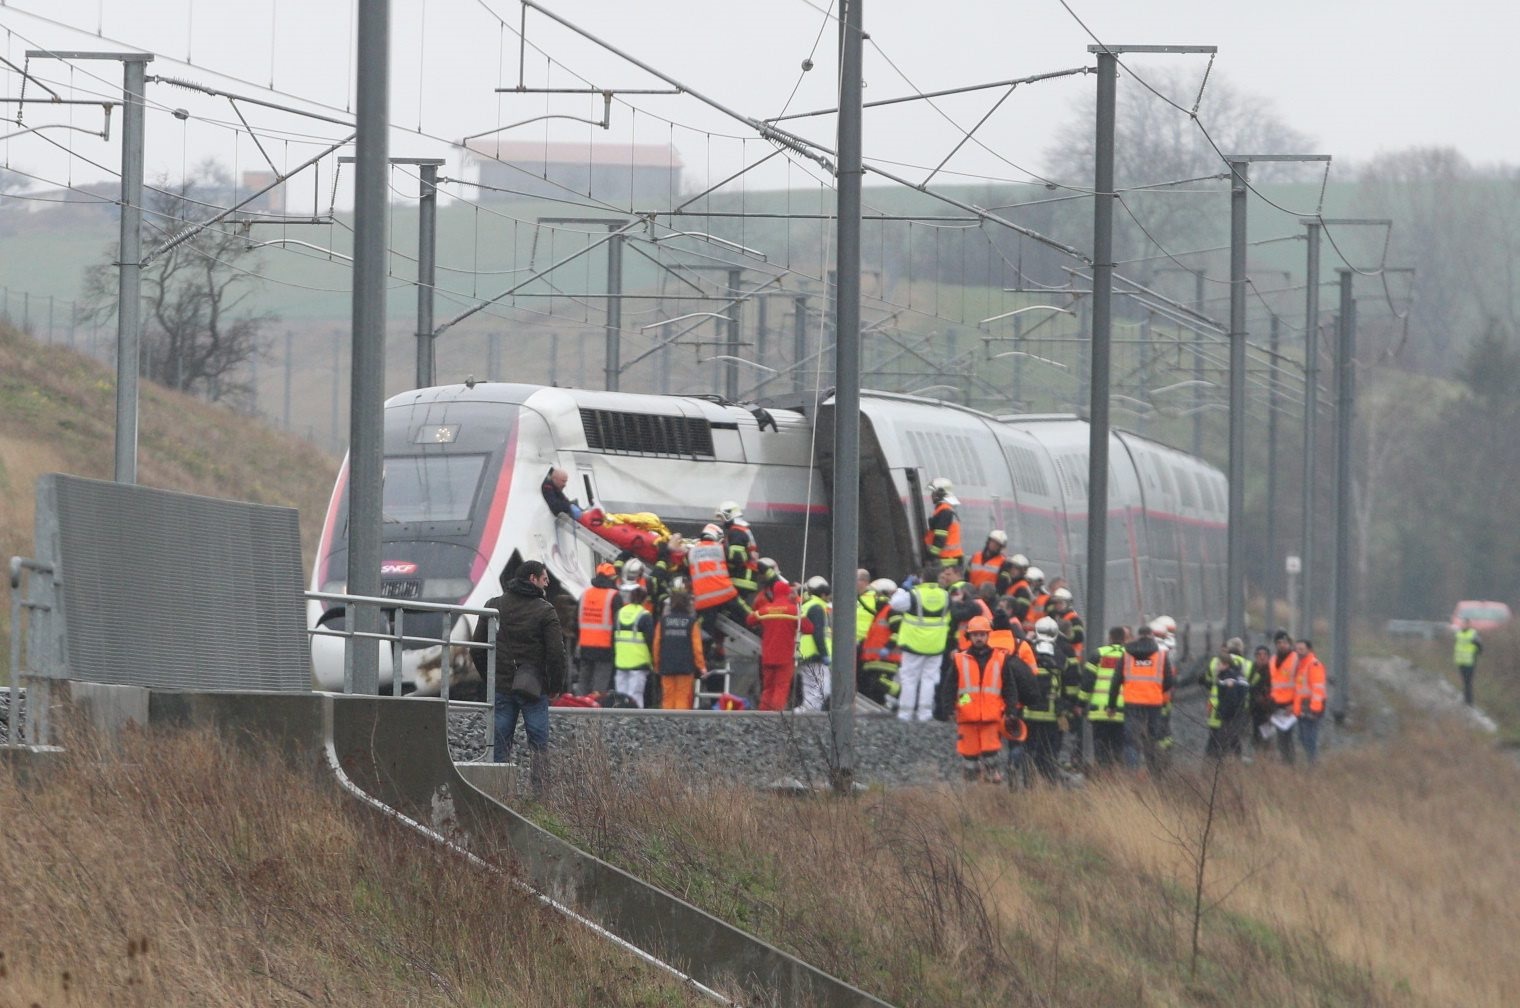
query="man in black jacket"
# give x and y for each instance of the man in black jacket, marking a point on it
(528, 635)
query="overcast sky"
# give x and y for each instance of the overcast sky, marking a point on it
(1358, 77)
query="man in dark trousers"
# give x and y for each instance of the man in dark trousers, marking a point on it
(528, 636)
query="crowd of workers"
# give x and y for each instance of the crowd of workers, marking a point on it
(982, 640)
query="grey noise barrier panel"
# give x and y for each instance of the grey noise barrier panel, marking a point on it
(170, 590)
(395, 751)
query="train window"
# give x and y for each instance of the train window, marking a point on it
(431, 488)
(1185, 486)
(1206, 492)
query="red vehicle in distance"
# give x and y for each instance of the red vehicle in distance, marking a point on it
(1484, 615)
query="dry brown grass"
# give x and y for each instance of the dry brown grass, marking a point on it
(1388, 876)
(57, 414)
(179, 872)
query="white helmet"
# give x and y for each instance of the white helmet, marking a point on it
(1168, 625)
(1019, 560)
(1046, 628)
(633, 569)
(884, 586)
(711, 532)
(1064, 594)
(1035, 574)
(941, 487)
(998, 536)
(728, 511)
(818, 585)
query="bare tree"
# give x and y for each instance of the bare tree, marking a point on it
(1158, 143)
(200, 327)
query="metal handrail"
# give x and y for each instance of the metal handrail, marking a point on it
(397, 637)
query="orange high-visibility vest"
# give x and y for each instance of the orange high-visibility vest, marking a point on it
(979, 694)
(963, 642)
(984, 569)
(1142, 679)
(1036, 609)
(877, 648)
(1284, 669)
(598, 609)
(952, 548)
(710, 584)
(1309, 686)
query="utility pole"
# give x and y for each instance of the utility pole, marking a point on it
(1269, 572)
(366, 452)
(799, 340)
(1198, 275)
(612, 364)
(1235, 576)
(129, 248)
(427, 271)
(731, 366)
(1345, 413)
(289, 374)
(845, 513)
(1102, 323)
(1311, 417)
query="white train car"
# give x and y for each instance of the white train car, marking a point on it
(464, 465)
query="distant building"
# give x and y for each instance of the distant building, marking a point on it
(272, 202)
(614, 173)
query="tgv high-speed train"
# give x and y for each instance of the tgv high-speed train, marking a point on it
(464, 465)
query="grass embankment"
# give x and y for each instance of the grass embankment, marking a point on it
(58, 414)
(1387, 876)
(184, 873)
(1496, 686)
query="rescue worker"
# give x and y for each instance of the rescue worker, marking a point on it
(595, 615)
(1309, 697)
(712, 590)
(1142, 682)
(1227, 679)
(1466, 647)
(867, 602)
(815, 647)
(1261, 697)
(1017, 587)
(1054, 675)
(678, 650)
(1097, 682)
(922, 635)
(767, 573)
(988, 564)
(1165, 630)
(942, 540)
(779, 623)
(1059, 608)
(992, 688)
(740, 549)
(632, 647)
(1038, 597)
(1283, 671)
(876, 678)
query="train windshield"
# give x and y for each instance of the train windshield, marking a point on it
(431, 488)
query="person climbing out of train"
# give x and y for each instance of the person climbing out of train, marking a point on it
(596, 616)
(942, 539)
(633, 646)
(712, 590)
(1226, 677)
(1017, 585)
(923, 634)
(678, 649)
(740, 548)
(1107, 721)
(987, 565)
(816, 647)
(553, 489)
(876, 673)
(993, 688)
(780, 623)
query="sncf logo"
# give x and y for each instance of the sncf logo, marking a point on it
(394, 567)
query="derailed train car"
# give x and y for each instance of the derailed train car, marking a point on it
(464, 464)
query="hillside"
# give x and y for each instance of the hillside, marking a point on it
(57, 414)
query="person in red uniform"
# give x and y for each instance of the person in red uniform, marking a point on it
(780, 624)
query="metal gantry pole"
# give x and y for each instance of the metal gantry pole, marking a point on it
(799, 341)
(427, 270)
(1235, 580)
(1102, 335)
(1345, 413)
(1198, 276)
(367, 388)
(731, 349)
(129, 277)
(613, 367)
(1271, 567)
(845, 513)
(1311, 417)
